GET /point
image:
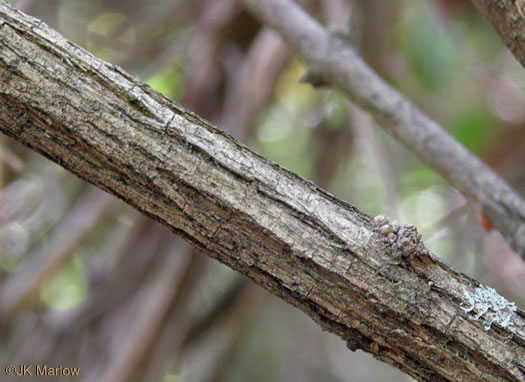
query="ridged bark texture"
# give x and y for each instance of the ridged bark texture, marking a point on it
(367, 280)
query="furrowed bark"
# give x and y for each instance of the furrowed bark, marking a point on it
(334, 60)
(368, 281)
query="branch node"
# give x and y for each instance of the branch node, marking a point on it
(315, 77)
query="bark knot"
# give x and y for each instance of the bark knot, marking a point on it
(405, 240)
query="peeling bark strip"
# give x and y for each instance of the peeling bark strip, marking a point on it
(367, 280)
(340, 64)
(508, 18)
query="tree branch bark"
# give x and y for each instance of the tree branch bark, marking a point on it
(340, 64)
(508, 18)
(370, 282)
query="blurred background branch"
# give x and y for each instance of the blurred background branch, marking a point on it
(334, 59)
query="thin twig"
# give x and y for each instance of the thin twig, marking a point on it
(338, 62)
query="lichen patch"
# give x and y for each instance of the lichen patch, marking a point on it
(488, 306)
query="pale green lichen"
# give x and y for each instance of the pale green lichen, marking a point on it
(489, 306)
